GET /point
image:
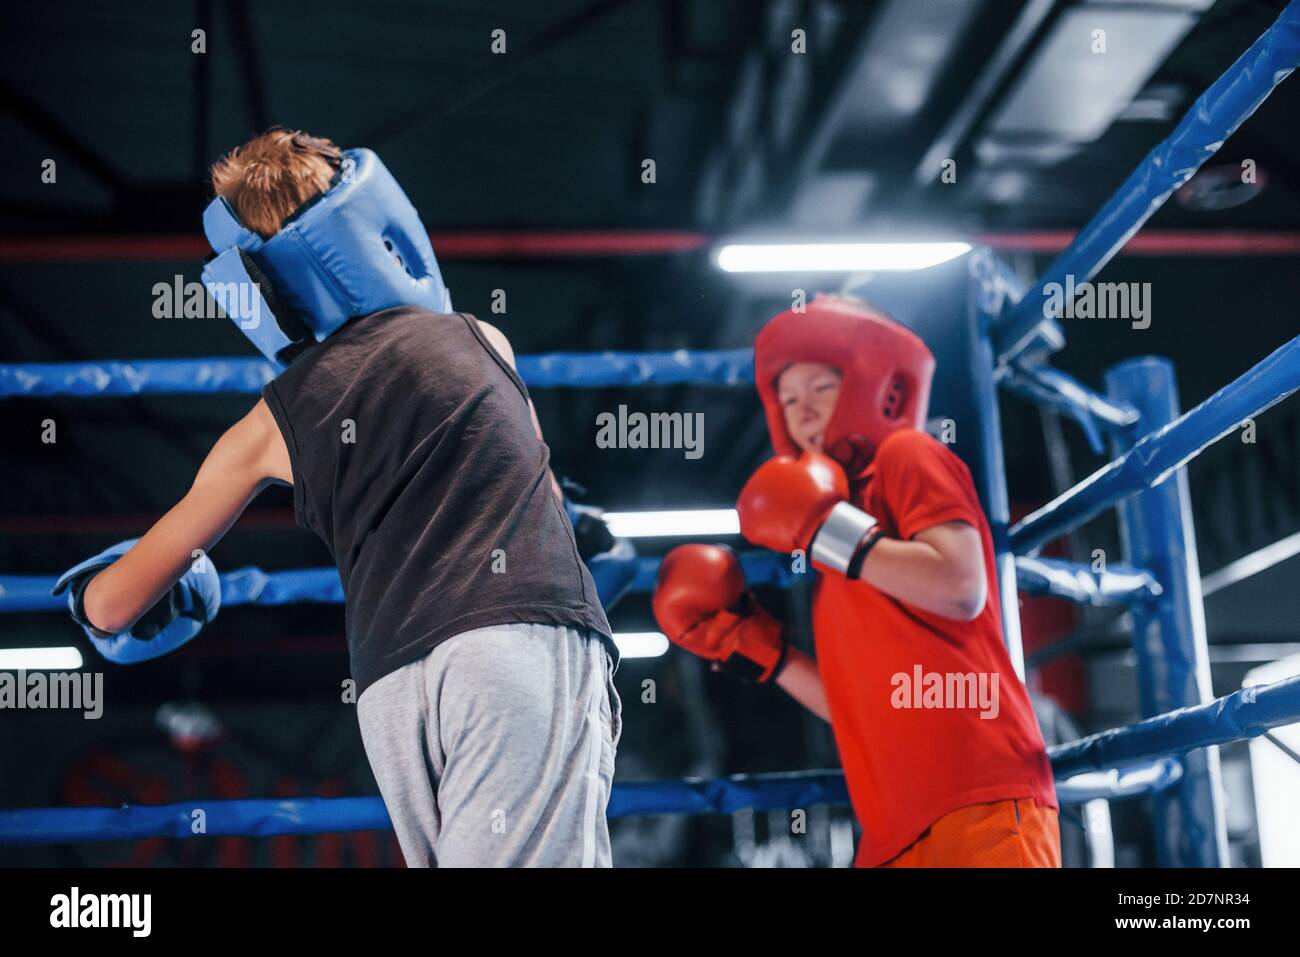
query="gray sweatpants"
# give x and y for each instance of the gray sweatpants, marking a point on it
(496, 749)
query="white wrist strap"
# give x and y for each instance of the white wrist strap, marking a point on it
(840, 535)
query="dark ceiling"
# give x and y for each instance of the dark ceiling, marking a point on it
(552, 133)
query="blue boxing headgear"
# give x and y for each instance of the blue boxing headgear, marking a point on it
(355, 249)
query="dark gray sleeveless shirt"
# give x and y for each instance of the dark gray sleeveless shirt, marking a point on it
(416, 462)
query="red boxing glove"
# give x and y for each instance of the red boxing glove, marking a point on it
(701, 603)
(787, 499)
(801, 503)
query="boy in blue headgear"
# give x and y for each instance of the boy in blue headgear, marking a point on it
(480, 652)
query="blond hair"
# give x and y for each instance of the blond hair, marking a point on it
(273, 174)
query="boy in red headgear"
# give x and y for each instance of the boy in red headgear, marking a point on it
(942, 754)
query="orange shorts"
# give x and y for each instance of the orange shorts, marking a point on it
(1014, 833)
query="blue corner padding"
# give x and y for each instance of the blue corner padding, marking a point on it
(1243, 714)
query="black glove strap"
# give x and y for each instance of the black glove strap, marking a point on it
(750, 671)
(592, 536)
(782, 661)
(854, 571)
(742, 668)
(78, 607)
(163, 613)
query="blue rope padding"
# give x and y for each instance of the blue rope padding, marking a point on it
(254, 818)
(1116, 784)
(1119, 584)
(556, 370)
(20, 593)
(1243, 714)
(1158, 455)
(244, 586)
(265, 818)
(587, 370)
(764, 792)
(127, 377)
(252, 586)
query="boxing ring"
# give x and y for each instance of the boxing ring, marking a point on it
(990, 332)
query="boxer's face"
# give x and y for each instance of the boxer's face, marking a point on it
(808, 392)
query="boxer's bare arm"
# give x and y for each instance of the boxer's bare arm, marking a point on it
(801, 680)
(940, 570)
(502, 345)
(247, 458)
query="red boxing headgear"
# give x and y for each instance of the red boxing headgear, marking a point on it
(886, 371)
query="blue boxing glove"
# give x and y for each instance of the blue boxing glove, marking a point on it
(613, 572)
(590, 532)
(176, 618)
(611, 561)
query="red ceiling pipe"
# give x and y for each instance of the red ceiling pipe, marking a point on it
(485, 244)
(558, 244)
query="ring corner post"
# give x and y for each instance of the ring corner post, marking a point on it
(1169, 637)
(991, 284)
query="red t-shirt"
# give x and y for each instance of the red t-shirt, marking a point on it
(927, 711)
